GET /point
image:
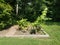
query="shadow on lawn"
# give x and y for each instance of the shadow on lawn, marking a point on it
(52, 23)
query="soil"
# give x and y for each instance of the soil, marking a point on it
(3, 32)
(14, 31)
(10, 31)
(27, 33)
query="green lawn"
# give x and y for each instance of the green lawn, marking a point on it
(53, 29)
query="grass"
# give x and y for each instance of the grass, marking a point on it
(53, 29)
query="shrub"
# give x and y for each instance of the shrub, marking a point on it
(23, 23)
(5, 15)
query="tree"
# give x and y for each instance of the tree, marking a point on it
(56, 11)
(30, 9)
(53, 11)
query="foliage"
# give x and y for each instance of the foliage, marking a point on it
(42, 18)
(30, 9)
(23, 23)
(54, 10)
(5, 15)
(35, 11)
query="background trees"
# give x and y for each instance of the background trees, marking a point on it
(56, 11)
(31, 10)
(53, 11)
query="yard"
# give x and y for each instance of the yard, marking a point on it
(53, 29)
(20, 17)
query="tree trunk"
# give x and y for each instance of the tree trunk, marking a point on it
(17, 9)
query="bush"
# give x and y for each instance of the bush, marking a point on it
(2, 25)
(5, 15)
(23, 23)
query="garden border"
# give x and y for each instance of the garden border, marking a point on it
(45, 35)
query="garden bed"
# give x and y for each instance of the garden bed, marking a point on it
(14, 32)
(41, 34)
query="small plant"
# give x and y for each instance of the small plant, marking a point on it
(23, 23)
(37, 26)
